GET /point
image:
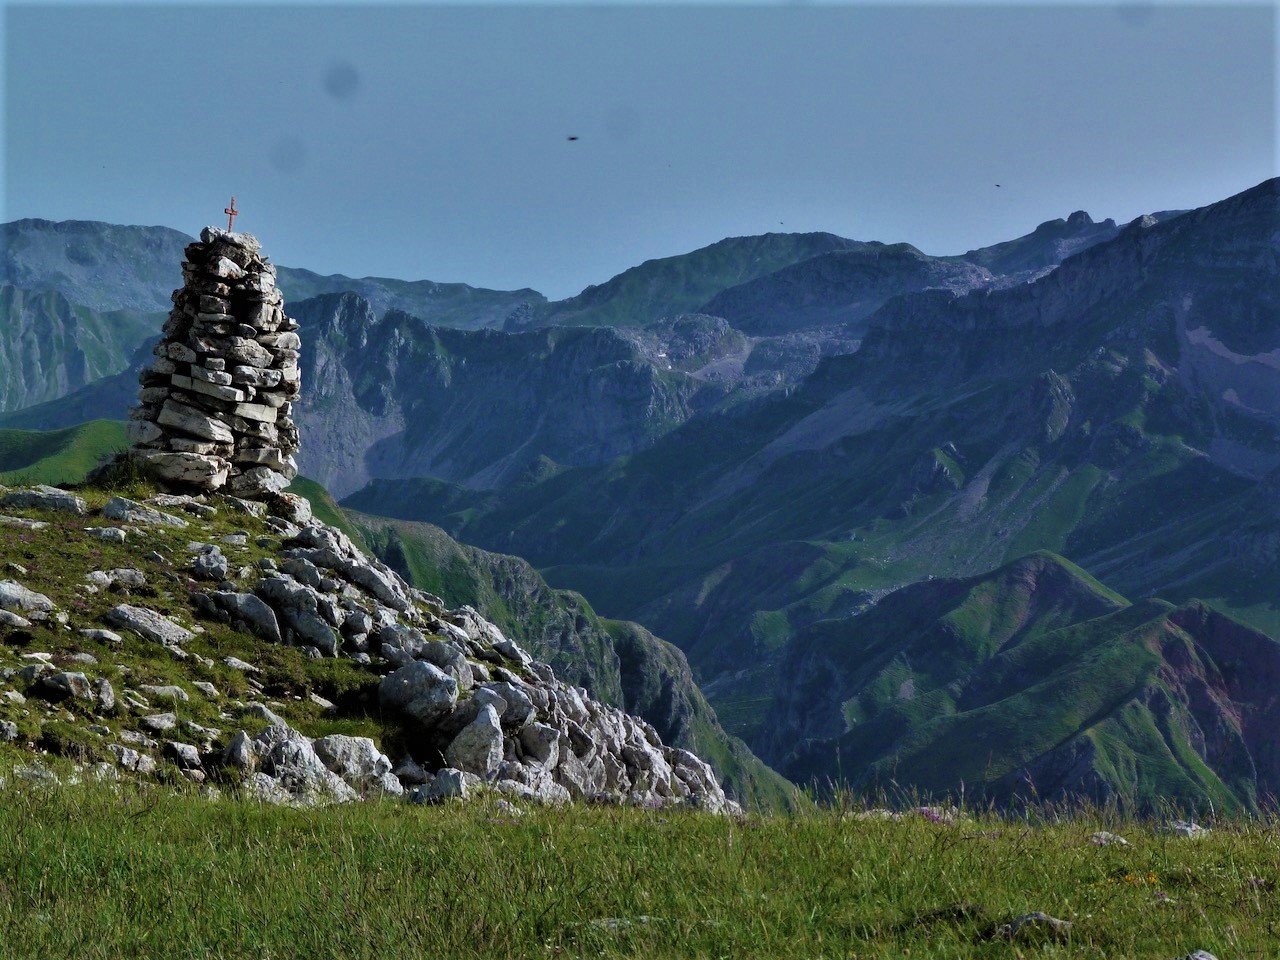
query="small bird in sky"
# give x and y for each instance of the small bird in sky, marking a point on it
(997, 184)
(571, 138)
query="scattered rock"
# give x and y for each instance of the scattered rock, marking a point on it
(16, 598)
(21, 523)
(8, 619)
(160, 722)
(166, 692)
(1034, 927)
(358, 761)
(1104, 839)
(148, 624)
(128, 511)
(45, 498)
(110, 534)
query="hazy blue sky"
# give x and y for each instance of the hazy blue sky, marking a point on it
(430, 142)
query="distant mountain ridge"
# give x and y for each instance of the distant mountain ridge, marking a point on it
(1118, 411)
(1035, 682)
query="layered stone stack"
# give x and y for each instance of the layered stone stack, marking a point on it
(215, 408)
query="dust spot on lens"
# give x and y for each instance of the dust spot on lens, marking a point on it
(341, 80)
(1135, 14)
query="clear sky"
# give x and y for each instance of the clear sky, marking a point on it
(431, 142)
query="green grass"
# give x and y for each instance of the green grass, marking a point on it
(92, 872)
(57, 456)
(56, 560)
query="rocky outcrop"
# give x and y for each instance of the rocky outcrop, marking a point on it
(471, 701)
(215, 407)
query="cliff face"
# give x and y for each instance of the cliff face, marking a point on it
(399, 398)
(50, 347)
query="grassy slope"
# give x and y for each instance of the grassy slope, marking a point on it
(94, 873)
(1033, 667)
(59, 456)
(57, 559)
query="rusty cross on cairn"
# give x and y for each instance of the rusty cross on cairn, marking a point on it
(231, 212)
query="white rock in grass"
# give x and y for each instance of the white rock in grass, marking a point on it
(16, 598)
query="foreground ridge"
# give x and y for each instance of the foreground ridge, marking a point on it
(194, 588)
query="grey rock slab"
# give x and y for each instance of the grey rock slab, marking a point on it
(359, 762)
(10, 619)
(159, 722)
(148, 624)
(239, 752)
(210, 566)
(65, 685)
(1035, 926)
(298, 607)
(18, 599)
(110, 534)
(45, 498)
(478, 746)
(130, 511)
(21, 523)
(131, 759)
(290, 758)
(104, 636)
(252, 611)
(165, 692)
(185, 755)
(194, 469)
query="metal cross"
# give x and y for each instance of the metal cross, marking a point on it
(231, 212)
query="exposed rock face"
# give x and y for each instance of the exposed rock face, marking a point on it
(215, 408)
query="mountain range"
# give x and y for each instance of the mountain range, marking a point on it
(795, 456)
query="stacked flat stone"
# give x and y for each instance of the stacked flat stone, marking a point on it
(215, 408)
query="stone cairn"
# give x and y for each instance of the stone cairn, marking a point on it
(215, 405)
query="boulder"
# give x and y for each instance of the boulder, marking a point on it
(478, 747)
(359, 763)
(290, 759)
(419, 690)
(252, 611)
(16, 598)
(46, 498)
(148, 624)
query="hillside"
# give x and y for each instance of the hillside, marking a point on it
(1033, 682)
(682, 283)
(206, 639)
